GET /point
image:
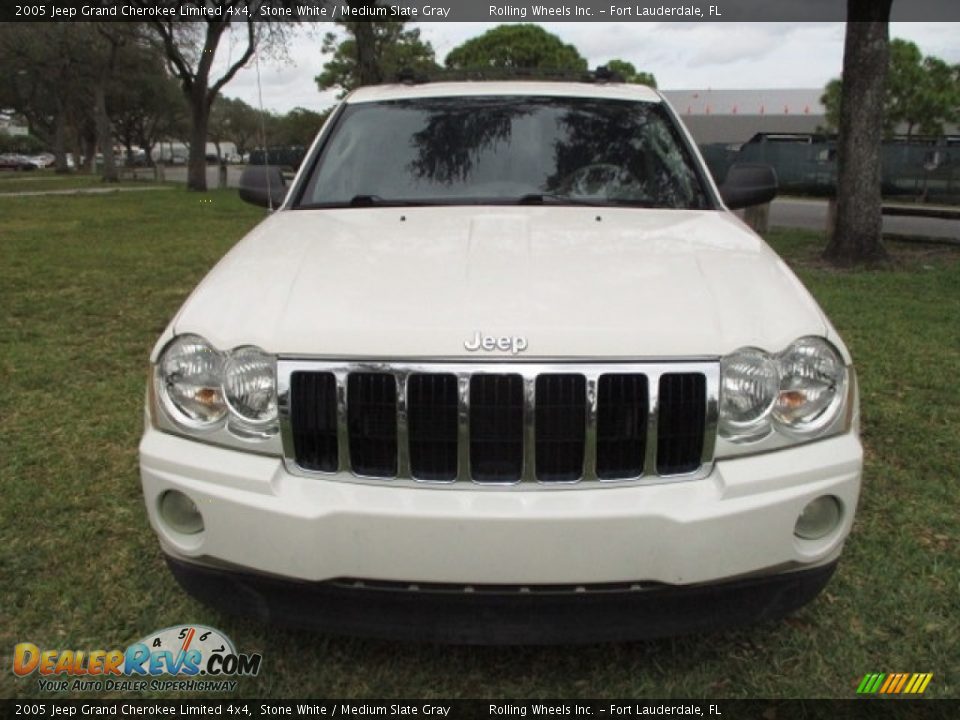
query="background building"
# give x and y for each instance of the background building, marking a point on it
(8, 125)
(735, 116)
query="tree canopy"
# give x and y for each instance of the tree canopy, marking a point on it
(191, 49)
(82, 86)
(145, 103)
(388, 47)
(526, 47)
(298, 127)
(922, 93)
(630, 74)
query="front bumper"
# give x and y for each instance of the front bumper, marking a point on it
(502, 616)
(736, 522)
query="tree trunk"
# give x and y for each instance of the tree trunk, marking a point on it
(368, 70)
(200, 115)
(857, 238)
(146, 144)
(105, 134)
(89, 145)
(60, 143)
(146, 139)
(758, 218)
(78, 154)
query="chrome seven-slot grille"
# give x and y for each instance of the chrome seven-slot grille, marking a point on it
(499, 423)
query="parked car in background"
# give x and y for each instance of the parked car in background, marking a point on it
(11, 161)
(43, 160)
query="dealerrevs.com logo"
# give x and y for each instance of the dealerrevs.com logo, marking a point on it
(179, 654)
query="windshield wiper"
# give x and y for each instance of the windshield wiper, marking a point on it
(549, 198)
(377, 201)
(554, 199)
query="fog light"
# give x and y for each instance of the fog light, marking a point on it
(818, 518)
(180, 512)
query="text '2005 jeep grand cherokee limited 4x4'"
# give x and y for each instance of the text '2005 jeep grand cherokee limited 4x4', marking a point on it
(503, 367)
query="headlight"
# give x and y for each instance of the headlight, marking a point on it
(749, 384)
(769, 401)
(250, 385)
(189, 379)
(812, 386)
(229, 397)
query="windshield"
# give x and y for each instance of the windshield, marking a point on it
(504, 150)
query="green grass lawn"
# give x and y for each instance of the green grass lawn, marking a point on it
(88, 282)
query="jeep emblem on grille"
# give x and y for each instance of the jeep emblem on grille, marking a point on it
(515, 344)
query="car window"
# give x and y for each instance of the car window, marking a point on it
(505, 150)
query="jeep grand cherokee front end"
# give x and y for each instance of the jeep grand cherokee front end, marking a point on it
(503, 367)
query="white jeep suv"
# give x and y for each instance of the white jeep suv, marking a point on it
(503, 366)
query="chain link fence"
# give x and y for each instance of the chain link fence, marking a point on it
(928, 171)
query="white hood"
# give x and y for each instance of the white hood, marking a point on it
(574, 281)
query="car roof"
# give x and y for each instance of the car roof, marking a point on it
(404, 91)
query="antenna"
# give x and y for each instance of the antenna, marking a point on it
(263, 131)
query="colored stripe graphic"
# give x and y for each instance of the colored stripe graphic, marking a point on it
(894, 683)
(913, 681)
(870, 683)
(890, 682)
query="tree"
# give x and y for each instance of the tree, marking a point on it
(232, 119)
(857, 236)
(921, 93)
(63, 78)
(108, 43)
(365, 53)
(371, 53)
(190, 48)
(218, 128)
(299, 126)
(831, 102)
(20, 144)
(629, 73)
(940, 103)
(43, 67)
(146, 105)
(906, 84)
(523, 47)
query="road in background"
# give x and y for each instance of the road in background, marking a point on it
(812, 215)
(178, 173)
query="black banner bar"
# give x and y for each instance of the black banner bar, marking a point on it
(471, 10)
(874, 709)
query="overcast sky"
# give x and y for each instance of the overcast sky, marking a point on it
(680, 55)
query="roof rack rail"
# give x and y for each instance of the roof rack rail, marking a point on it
(411, 76)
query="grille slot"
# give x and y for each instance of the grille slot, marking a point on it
(496, 428)
(499, 422)
(314, 420)
(622, 411)
(432, 419)
(372, 423)
(680, 430)
(560, 424)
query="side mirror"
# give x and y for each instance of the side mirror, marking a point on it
(748, 184)
(263, 185)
